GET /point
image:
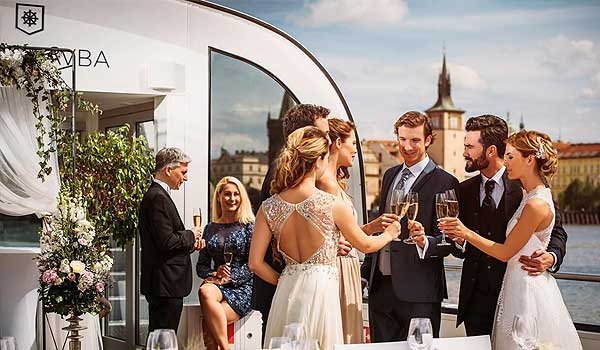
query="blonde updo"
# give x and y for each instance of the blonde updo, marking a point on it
(540, 146)
(304, 146)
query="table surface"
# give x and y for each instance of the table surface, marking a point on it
(481, 342)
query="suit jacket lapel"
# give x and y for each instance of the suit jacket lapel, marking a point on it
(424, 176)
(174, 207)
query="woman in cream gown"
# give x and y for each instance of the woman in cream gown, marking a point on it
(341, 155)
(306, 224)
(531, 158)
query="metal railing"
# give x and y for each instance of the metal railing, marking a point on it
(565, 276)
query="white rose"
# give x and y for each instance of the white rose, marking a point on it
(77, 266)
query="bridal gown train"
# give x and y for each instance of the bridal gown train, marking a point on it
(537, 296)
(308, 291)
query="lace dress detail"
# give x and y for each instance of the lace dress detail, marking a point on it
(537, 296)
(307, 291)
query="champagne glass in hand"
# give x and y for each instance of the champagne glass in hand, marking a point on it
(441, 210)
(228, 256)
(197, 217)
(398, 205)
(412, 202)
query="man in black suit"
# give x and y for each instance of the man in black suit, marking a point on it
(166, 244)
(297, 117)
(487, 202)
(406, 280)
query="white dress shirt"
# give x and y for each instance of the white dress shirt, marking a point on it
(415, 170)
(163, 185)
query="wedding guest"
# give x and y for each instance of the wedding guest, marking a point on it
(166, 266)
(408, 280)
(341, 155)
(226, 292)
(532, 160)
(306, 224)
(487, 202)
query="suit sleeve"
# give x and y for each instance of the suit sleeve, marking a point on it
(435, 236)
(365, 267)
(166, 238)
(558, 240)
(241, 273)
(204, 266)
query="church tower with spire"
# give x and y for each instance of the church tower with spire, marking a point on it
(448, 126)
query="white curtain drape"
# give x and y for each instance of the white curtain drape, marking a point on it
(21, 191)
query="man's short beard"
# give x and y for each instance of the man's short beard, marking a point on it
(477, 164)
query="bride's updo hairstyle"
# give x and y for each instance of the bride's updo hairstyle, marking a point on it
(540, 146)
(304, 146)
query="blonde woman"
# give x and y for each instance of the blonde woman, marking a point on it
(306, 224)
(226, 292)
(341, 156)
(530, 158)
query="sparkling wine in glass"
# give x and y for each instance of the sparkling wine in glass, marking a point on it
(452, 203)
(197, 217)
(398, 205)
(441, 210)
(412, 200)
(228, 253)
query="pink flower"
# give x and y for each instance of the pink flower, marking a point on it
(100, 287)
(71, 276)
(88, 277)
(49, 276)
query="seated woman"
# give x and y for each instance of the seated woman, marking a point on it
(226, 292)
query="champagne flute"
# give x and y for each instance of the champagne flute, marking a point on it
(525, 332)
(398, 205)
(420, 334)
(441, 210)
(197, 217)
(412, 200)
(228, 255)
(452, 203)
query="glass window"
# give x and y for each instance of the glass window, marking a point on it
(146, 129)
(20, 231)
(247, 105)
(453, 123)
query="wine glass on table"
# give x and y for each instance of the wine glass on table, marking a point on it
(412, 200)
(398, 205)
(525, 332)
(420, 334)
(162, 339)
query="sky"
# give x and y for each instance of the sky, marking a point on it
(538, 59)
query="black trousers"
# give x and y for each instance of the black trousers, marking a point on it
(389, 318)
(262, 296)
(479, 315)
(164, 312)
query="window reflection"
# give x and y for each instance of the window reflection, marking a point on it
(247, 107)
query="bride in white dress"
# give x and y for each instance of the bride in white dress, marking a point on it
(531, 158)
(306, 224)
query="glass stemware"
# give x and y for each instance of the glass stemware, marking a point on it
(162, 339)
(420, 334)
(398, 205)
(525, 332)
(441, 210)
(412, 200)
(280, 343)
(197, 217)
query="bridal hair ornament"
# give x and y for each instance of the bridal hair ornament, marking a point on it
(541, 153)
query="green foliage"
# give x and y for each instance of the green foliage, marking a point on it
(112, 171)
(34, 72)
(580, 195)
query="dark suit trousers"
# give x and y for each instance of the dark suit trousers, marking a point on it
(479, 315)
(389, 318)
(164, 312)
(262, 296)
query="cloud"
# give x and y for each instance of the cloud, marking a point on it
(570, 57)
(465, 77)
(323, 13)
(499, 19)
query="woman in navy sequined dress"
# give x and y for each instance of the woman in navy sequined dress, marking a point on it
(226, 292)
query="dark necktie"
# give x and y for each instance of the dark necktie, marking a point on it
(402, 182)
(488, 206)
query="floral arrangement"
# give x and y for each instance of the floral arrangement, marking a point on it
(34, 72)
(74, 266)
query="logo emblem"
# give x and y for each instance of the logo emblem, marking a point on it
(29, 18)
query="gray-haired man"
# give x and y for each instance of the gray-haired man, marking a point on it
(166, 244)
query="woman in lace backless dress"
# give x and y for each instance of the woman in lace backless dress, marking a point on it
(306, 224)
(531, 158)
(341, 155)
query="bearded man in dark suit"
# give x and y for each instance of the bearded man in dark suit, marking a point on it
(487, 202)
(166, 244)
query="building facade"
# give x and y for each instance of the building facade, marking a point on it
(249, 167)
(577, 161)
